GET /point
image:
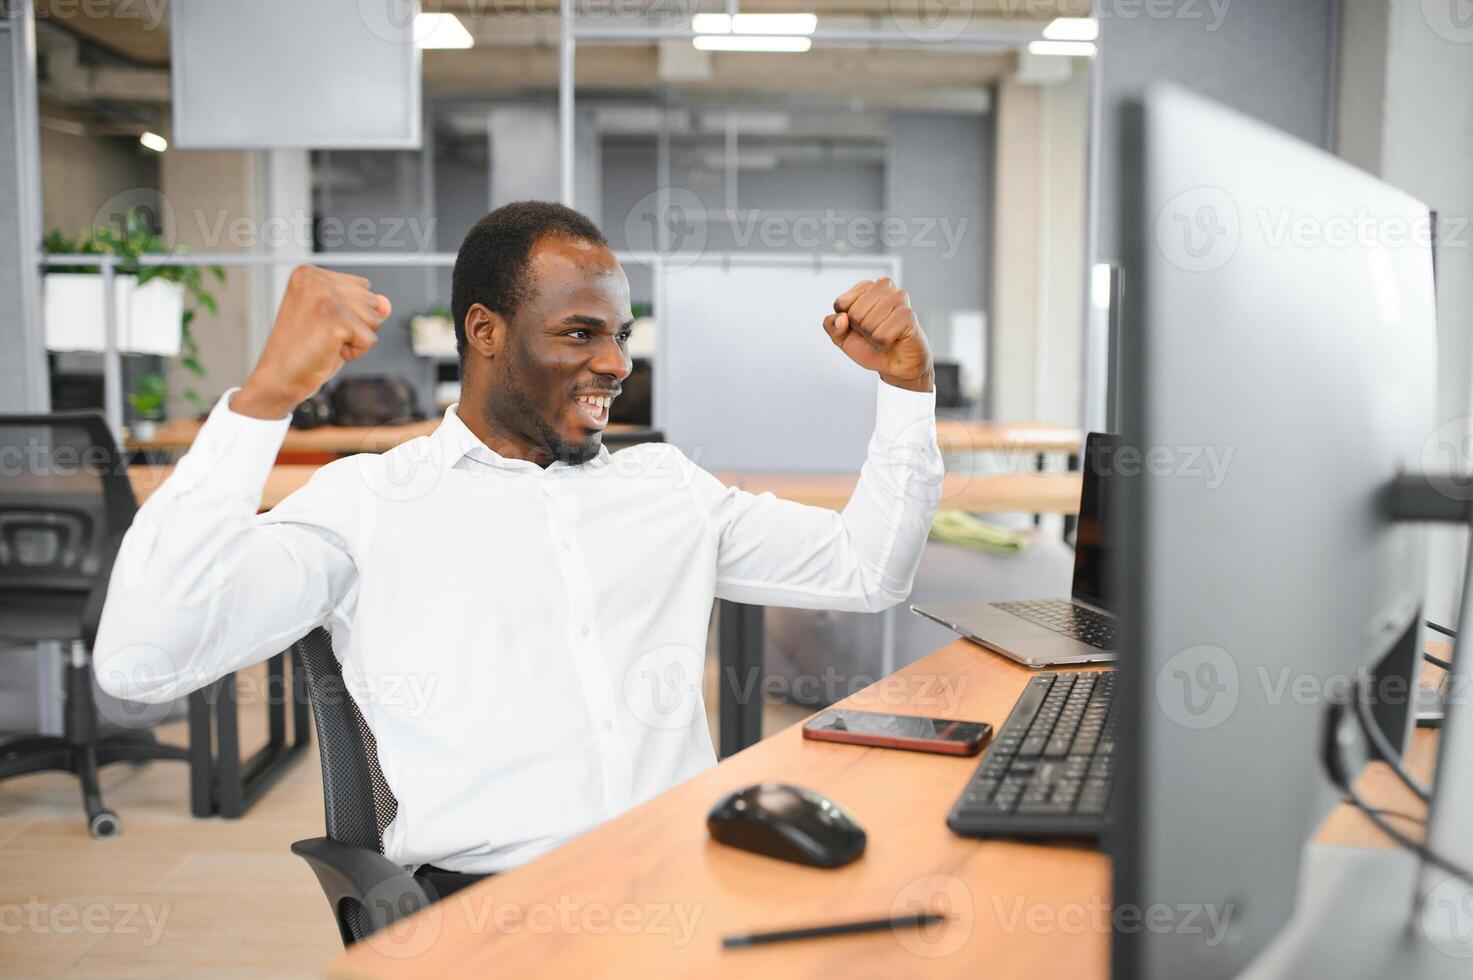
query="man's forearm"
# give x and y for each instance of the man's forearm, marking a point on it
(159, 625)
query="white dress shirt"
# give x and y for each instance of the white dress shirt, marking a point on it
(526, 644)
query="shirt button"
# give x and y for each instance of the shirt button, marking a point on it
(567, 544)
(608, 726)
(583, 630)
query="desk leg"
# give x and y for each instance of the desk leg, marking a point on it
(228, 786)
(740, 662)
(277, 694)
(301, 702)
(201, 762)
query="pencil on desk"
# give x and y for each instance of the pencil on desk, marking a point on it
(839, 929)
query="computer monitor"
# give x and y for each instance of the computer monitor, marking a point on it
(1278, 317)
(1092, 541)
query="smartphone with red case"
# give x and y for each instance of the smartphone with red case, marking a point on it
(899, 732)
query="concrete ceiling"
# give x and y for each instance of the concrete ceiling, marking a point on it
(516, 49)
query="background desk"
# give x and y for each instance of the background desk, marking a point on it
(326, 440)
(968, 435)
(1047, 493)
(740, 636)
(659, 856)
(953, 435)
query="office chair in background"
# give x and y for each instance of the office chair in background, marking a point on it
(366, 890)
(65, 501)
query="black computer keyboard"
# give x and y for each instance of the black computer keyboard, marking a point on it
(1049, 772)
(1071, 619)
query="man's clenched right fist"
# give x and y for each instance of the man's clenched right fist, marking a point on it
(325, 319)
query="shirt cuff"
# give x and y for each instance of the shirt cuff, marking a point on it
(232, 453)
(902, 415)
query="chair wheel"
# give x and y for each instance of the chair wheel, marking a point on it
(104, 825)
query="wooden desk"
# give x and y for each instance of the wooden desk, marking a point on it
(1031, 493)
(660, 854)
(282, 481)
(970, 436)
(1052, 493)
(741, 626)
(656, 863)
(954, 436)
(339, 440)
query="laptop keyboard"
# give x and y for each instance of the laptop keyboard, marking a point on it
(1062, 616)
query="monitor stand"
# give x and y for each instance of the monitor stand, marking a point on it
(1358, 917)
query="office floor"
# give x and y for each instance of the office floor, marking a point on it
(172, 896)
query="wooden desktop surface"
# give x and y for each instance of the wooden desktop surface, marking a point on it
(648, 894)
(1032, 493)
(342, 440)
(953, 435)
(970, 435)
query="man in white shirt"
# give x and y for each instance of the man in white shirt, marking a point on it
(520, 616)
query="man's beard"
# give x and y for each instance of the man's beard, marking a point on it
(522, 415)
(570, 453)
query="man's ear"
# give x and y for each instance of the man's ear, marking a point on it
(486, 333)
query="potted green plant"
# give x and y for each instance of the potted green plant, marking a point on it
(148, 405)
(155, 304)
(432, 333)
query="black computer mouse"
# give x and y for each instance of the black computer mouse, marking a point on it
(787, 822)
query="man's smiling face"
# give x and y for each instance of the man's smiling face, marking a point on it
(565, 353)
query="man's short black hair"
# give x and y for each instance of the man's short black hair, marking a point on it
(491, 267)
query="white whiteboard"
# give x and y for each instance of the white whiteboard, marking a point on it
(275, 74)
(746, 378)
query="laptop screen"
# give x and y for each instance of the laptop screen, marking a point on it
(1091, 554)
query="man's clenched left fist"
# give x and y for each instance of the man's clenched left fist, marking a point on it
(874, 324)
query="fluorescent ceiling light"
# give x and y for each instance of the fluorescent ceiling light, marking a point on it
(754, 24)
(1069, 49)
(438, 31)
(154, 142)
(1072, 29)
(739, 42)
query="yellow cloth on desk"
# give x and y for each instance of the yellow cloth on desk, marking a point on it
(960, 528)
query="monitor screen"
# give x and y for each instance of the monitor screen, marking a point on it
(1091, 567)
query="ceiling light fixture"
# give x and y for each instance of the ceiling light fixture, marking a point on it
(754, 24)
(1066, 49)
(752, 42)
(1072, 29)
(440, 32)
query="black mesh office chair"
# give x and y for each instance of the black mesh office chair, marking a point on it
(65, 501)
(366, 890)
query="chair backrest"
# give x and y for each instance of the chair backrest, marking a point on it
(65, 501)
(356, 799)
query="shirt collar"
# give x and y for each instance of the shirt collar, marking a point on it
(456, 441)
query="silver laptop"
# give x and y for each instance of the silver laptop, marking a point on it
(1054, 632)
